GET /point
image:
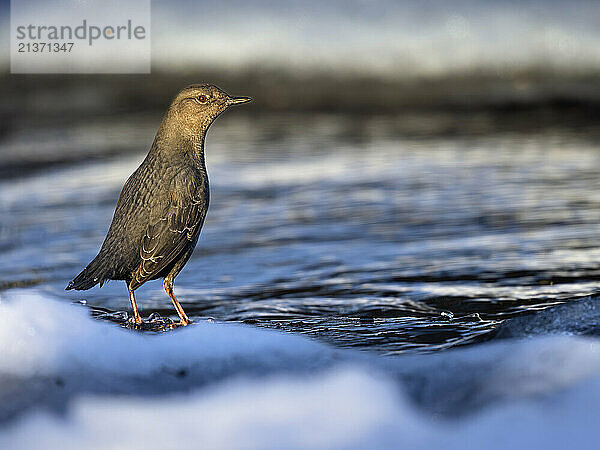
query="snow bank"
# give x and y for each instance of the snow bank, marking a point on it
(344, 408)
(466, 380)
(68, 381)
(338, 409)
(53, 352)
(43, 336)
(574, 317)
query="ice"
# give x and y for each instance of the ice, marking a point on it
(69, 381)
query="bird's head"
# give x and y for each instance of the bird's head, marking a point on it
(197, 106)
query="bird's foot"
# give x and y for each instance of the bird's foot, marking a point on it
(183, 322)
(135, 321)
(155, 322)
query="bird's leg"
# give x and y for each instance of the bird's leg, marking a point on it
(136, 314)
(168, 285)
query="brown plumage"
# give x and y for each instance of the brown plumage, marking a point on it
(163, 204)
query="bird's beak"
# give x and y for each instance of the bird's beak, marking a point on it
(238, 100)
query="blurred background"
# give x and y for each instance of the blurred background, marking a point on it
(409, 175)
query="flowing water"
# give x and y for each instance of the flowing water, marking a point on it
(335, 227)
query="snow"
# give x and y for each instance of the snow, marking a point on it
(386, 38)
(42, 336)
(245, 387)
(343, 408)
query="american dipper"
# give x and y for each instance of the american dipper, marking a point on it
(163, 204)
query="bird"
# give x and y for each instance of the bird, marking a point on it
(162, 206)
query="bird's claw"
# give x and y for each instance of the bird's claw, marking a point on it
(135, 320)
(155, 321)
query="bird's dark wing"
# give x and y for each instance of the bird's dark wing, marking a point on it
(175, 230)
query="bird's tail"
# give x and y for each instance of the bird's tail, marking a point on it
(89, 277)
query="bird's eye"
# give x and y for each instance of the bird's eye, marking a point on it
(202, 98)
